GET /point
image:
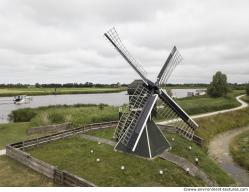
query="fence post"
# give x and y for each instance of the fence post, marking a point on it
(23, 145)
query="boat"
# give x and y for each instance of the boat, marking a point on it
(21, 99)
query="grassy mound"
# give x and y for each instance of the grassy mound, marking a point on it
(180, 148)
(73, 154)
(239, 148)
(14, 174)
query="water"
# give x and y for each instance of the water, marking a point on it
(116, 99)
(7, 105)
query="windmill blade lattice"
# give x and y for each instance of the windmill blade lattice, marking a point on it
(171, 119)
(128, 120)
(174, 60)
(113, 37)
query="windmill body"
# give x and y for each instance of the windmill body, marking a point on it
(137, 131)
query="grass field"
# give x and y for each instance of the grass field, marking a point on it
(4, 92)
(213, 125)
(84, 114)
(78, 115)
(14, 174)
(209, 127)
(204, 104)
(13, 132)
(180, 148)
(246, 98)
(239, 148)
(73, 154)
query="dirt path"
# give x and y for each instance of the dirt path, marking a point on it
(219, 150)
(238, 98)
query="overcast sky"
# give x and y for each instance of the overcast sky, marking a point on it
(62, 41)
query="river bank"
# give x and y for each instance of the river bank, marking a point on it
(219, 150)
(8, 92)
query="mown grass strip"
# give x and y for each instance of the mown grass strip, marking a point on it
(239, 148)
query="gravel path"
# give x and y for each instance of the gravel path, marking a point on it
(219, 150)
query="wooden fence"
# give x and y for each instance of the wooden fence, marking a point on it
(49, 128)
(61, 135)
(16, 151)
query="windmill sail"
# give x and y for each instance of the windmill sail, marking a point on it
(113, 37)
(172, 61)
(144, 137)
(177, 109)
(136, 131)
(128, 120)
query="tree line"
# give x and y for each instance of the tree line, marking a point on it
(65, 85)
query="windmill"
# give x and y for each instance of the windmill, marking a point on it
(137, 131)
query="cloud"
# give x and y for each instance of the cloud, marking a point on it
(62, 41)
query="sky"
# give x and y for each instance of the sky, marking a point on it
(62, 41)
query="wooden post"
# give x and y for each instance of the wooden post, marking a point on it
(23, 145)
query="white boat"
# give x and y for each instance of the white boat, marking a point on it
(21, 99)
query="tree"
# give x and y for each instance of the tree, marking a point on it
(247, 89)
(219, 86)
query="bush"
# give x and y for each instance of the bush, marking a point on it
(219, 86)
(56, 118)
(247, 89)
(101, 106)
(22, 115)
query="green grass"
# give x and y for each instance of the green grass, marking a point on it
(13, 132)
(239, 148)
(14, 174)
(180, 147)
(73, 154)
(49, 91)
(78, 114)
(245, 98)
(204, 104)
(210, 126)
(105, 133)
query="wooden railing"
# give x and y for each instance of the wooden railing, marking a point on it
(16, 151)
